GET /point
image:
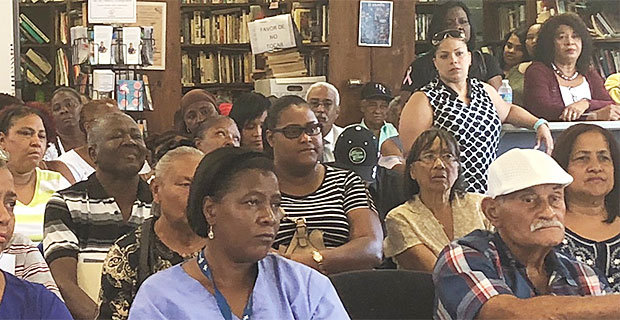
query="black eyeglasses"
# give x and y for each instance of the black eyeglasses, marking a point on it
(293, 131)
(314, 104)
(450, 33)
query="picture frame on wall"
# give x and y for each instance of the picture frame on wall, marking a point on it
(375, 23)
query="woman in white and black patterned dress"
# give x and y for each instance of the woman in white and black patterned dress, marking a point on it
(469, 109)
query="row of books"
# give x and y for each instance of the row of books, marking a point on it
(422, 22)
(317, 64)
(312, 21)
(30, 31)
(605, 25)
(512, 17)
(36, 67)
(217, 27)
(216, 67)
(607, 61)
(285, 64)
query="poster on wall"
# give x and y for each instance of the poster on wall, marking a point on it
(111, 11)
(153, 14)
(375, 23)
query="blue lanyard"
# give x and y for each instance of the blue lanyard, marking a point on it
(219, 297)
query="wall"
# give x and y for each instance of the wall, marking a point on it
(349, 61)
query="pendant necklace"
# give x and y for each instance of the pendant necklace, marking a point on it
(561, 74)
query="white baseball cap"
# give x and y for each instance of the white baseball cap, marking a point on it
(519, 169)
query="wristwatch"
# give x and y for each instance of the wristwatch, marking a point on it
(318, 258)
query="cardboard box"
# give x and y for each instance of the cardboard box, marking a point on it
(285, 86)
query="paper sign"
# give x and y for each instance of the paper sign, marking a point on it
(271, 33)
(103, 80)
(111, 11)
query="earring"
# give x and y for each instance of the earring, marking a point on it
(210, 234)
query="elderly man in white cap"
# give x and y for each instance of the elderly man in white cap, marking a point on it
(515, 272)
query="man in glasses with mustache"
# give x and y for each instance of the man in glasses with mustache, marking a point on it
(515, 272)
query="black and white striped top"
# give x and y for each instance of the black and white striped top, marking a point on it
(83, 221)
(326, 208)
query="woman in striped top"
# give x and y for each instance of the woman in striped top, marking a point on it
(331, 200)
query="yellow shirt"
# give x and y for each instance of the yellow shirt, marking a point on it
(612, 84)
(29, 217)
(412, 223)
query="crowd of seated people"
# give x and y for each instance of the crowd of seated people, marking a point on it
(247, 210)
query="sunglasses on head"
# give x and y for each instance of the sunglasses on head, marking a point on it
(293, 131)
(450, 33)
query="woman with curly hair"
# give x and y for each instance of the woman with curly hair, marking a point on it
(561, 84)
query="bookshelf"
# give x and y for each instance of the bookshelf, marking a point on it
(423, 15)
(502, 16)
(215, 50)
(44, 48)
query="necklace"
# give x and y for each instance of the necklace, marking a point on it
(562, 75)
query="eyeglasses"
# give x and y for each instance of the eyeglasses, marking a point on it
(293, 131)
(450, 33)
(316, 103)
(430, 158)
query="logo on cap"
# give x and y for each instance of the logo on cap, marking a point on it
(380, 87)
(357, 155)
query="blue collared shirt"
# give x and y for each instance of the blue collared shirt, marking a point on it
(479, 266)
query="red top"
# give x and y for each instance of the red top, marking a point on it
(542, 95)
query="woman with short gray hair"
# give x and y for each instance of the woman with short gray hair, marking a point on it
(160, 242)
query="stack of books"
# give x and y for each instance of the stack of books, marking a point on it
(35, 67)
(285, 64)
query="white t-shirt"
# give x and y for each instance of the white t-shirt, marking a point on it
(80, 169)
(571, 95)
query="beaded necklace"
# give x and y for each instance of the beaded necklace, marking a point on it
(561, 74)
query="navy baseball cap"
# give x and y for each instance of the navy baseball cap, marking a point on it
(375, 90)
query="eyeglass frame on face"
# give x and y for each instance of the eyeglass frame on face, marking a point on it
(326, 103)
(452, 33)
(302, 129)
(431, 158)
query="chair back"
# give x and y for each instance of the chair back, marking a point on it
(386, 294)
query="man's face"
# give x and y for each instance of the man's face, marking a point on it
(532, 218)
(323, 103)
(374, 111)
(121, 149)
(9, 199)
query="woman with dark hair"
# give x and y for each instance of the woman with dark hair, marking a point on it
(513, 51)
(516, 75)
(452, 15)
(472, 111)
(197, 106)
(234, 202)
(23, 136)
(591, 155)
(439, 209)
(561, 84)
(333, 201)
(249, 111)
(65, 107)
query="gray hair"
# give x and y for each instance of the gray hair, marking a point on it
(329, 86)
(95, 134)
(163, 165)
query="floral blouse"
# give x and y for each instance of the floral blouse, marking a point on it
(412, 223)
(119, 279)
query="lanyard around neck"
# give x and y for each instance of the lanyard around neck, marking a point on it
(219, 297)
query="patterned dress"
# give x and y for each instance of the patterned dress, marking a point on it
(603, 256)
(476, 126)
(119, 280)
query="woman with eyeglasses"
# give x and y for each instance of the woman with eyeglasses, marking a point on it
(234, 203)
(438, 210)
(562, 85)
(333, 201)
(471, 110)
(452, 15)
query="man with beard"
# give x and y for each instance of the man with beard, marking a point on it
(515, 272)
(83, 221)
(324, 100)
